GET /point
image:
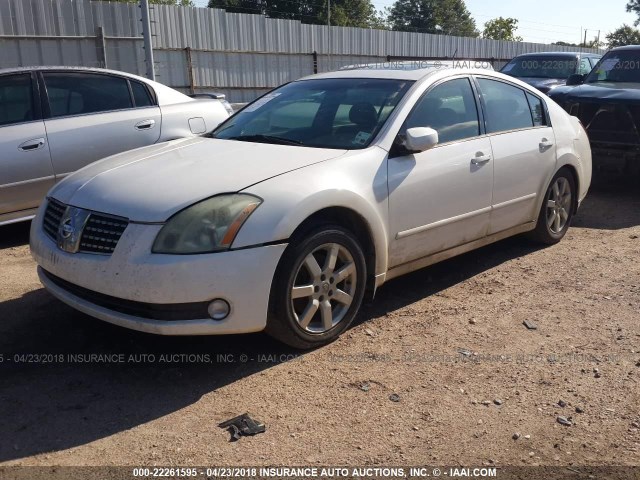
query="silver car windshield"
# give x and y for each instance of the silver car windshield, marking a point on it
(344, 113)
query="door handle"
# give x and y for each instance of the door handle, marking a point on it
(545, 144)
(30, 145)
(145, 125)
(480, 159)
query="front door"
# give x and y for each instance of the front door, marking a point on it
(441, 198)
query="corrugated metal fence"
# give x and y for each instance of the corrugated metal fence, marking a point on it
(202, 49)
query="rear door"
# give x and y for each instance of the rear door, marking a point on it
(93, 115)
(524, 151)
(25, 165)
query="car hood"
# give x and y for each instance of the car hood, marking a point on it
(152, 183)
(601, 92)
(543, 84)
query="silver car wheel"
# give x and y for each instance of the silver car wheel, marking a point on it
(559, 205)
(323, 289)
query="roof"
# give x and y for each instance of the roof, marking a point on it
(560, 54)
(70, 69)
(627, 47)
(406, 69)
(166, 95)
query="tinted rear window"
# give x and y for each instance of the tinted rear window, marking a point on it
(140, 94)
(507, 107)
(81, 93)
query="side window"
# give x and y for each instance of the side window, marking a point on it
(593, 61)
(537, 111)
(506, 105)
(585, 66)
(140, 94)
(450, 109)
(80, 93)
(16, 101)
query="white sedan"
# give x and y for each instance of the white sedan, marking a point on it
(310, 198)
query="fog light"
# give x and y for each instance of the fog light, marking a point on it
(219, 309)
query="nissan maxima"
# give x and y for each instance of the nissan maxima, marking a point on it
(310, 198)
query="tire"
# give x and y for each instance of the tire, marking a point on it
(557, 209)
(328, 296)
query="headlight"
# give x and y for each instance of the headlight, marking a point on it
(206, 227)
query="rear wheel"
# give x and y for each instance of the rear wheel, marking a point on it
(557, 209)
(318, 288)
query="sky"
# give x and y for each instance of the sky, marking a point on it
(545, 21)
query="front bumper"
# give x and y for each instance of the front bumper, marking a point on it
(616, 157)
(132, 273)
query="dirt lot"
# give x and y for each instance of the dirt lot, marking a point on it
(332, 406)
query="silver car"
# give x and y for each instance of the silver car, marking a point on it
(55, 120)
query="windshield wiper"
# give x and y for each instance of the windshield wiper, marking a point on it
(265, 139)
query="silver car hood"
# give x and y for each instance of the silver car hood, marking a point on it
(152, 183)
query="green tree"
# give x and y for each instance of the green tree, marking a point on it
(566, 44)
(353, 13)
(625, 35)
(347, 13)
(590, 44)
(634, 7)
(502, 29)
(447, 17)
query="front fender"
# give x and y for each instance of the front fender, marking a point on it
(358, 184)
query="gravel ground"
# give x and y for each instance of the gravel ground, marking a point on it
(474, 386)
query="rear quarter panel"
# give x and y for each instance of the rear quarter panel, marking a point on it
(572, 146)
(176, 116)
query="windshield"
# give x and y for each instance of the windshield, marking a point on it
(620, 66)
(543, 66)
(344, 113)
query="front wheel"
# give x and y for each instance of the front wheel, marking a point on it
(318, 288)
(557, 209)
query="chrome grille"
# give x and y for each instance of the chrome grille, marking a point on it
(101, 234)
(52, 216)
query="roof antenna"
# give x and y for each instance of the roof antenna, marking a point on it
(454, 54)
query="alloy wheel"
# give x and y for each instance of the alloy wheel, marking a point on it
(324, 287)
(559, 205)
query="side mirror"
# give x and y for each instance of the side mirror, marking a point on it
(575, 79)
(419, 139)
